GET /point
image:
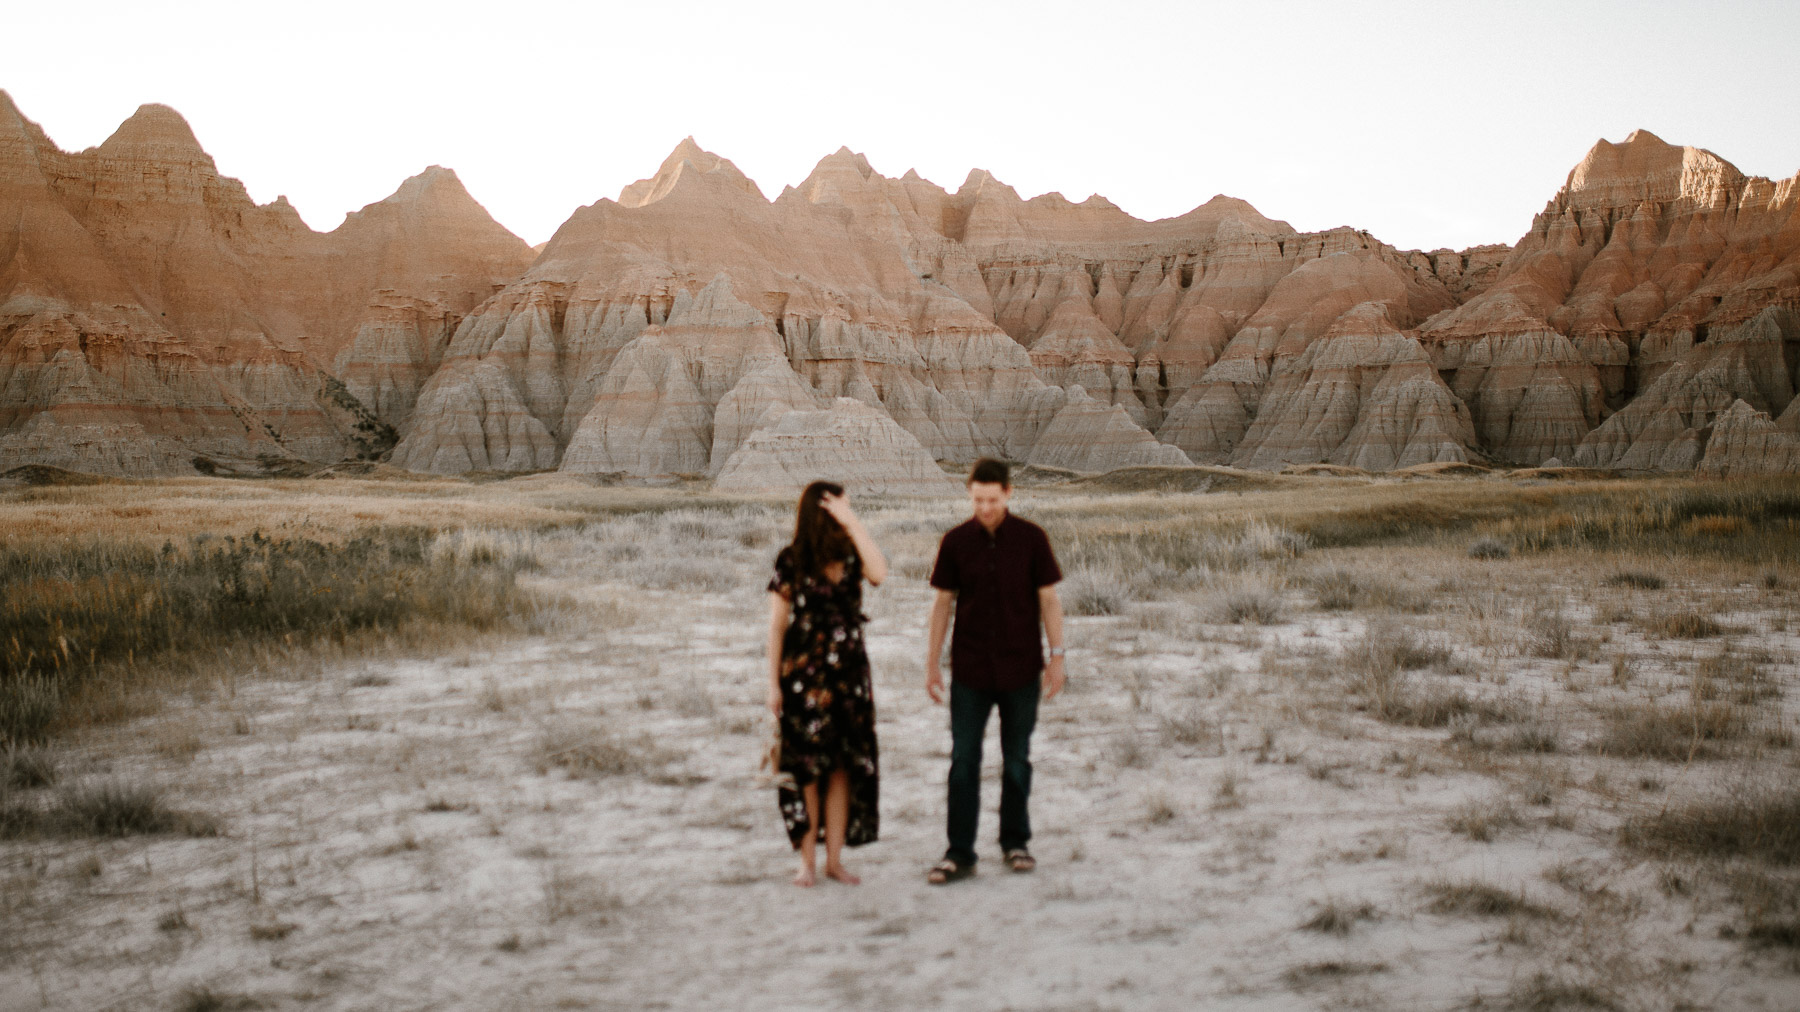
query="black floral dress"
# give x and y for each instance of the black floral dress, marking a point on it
(827, 701)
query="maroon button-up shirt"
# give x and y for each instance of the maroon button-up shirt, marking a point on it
(995, 645)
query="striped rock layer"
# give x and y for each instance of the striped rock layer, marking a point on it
(151, 314)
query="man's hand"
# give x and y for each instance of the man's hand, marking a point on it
(934, 681)
(1054, 677)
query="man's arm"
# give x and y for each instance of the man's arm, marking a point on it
(940, 624)
(1050, 609)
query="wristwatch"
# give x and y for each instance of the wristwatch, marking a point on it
(1056, 651)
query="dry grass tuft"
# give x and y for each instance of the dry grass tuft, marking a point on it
(1191, 727)
(1762, 823)
(1249, 604)
(1338, 918)
(1092, 591)
(1552, 635)
(1340, 589)
(588, 750)
(1482, 821)
(204, 999)
(1312, 975)
(1544, 993)
(1386, 647)
(27, 766)
(100, 808)
(1635, 579)
(1479, 899)
(1489, 548)
(1670, 733)
(1686, 625)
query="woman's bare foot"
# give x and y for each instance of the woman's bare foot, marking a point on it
(841, 874)
(805, 877)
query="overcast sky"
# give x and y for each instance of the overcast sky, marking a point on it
(1428, 124)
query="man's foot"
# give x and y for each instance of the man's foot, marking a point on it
(841, 874)
(948, 870)
(1019, 859)
(805, 877)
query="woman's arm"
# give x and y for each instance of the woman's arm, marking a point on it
(779, 611)
(873, 562)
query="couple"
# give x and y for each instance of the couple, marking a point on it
(999, 574)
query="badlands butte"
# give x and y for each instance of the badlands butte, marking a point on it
(154, 320)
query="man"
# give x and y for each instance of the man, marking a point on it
(999, 574)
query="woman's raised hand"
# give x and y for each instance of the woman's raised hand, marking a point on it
(839, 508)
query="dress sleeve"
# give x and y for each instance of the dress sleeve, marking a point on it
(783, 581)
(1044, 570)
(944, 575)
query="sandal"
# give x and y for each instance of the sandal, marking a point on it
(948, 870)
(1020, 860)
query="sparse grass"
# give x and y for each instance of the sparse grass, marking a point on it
(98, 808)
(571, 894)
(1159, 810)
(1092, 591)
(27, 766)
(1336, 589)
(1387, 647)
(1311, 975)
(1377, 666)
(1337, 917)
(1489, 548)
(1685, 625)
(1783, 933)
(1670, 733)
(1192, 727)
(1552, 635)
(1482, 821)
(1758, 822)
(95, 611)
(1248, 603)
(1520, 730)
(204, 999)
(1544, 993)
(592, 750)
(1635, 579)
(1479, 899)
(1127, 750)
(120, 808)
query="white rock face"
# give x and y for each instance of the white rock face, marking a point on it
(1089, 434)
(850, 443)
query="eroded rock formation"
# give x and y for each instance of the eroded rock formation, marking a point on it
(151, 313)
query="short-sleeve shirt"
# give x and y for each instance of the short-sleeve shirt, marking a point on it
(995, 645)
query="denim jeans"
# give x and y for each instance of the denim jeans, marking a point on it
(968, 726)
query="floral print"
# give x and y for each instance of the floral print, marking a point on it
(827, 701)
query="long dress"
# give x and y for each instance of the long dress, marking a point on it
(827, 700)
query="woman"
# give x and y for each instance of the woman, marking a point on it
(819, 686)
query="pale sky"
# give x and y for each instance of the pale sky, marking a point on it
(1428, 124)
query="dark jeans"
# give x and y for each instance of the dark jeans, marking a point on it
(968, 726)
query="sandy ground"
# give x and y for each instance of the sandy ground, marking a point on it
(399, 837)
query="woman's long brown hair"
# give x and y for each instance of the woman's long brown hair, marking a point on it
(819, 539)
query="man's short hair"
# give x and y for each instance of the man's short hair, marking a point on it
(989, 471)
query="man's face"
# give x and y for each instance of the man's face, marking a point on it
(989, 501)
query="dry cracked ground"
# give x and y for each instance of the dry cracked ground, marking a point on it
(1386, 778)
